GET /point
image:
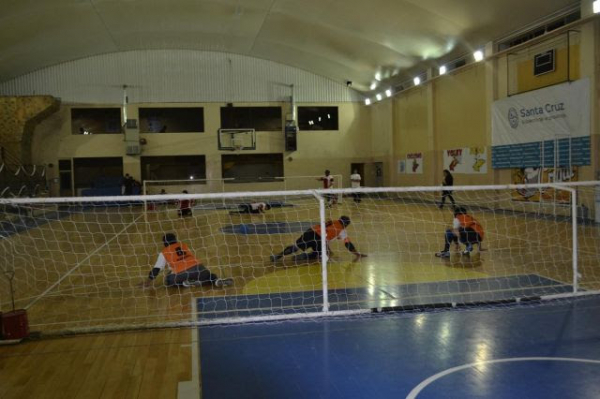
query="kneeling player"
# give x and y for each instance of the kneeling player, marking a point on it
(312, 239)
(185, 269)
(465, 229)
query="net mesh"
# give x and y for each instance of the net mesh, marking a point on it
(81, 264)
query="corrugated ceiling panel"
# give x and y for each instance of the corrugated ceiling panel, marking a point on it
(159, 76)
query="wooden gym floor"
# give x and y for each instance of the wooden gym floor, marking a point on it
(82, 271)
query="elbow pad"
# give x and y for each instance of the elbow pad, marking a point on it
(153, 273)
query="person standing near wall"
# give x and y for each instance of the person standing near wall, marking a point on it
(448, 181)
(355, 180)
(328, 183)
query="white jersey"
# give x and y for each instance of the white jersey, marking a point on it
(355, 179)
(258, 205)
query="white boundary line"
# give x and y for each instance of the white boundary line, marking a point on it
(37, 298)
(416, 390)
(191, 389)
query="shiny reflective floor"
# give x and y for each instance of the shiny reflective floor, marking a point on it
(549, 350)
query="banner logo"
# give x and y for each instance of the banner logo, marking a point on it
(513, 118)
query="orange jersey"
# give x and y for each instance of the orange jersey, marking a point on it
(468, 221)
(333, 230)
(179, 257)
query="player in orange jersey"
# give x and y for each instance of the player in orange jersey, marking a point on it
(312, 239)
(465, 229)
(185, 269)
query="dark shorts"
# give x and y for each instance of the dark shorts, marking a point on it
(185, 212)
(247, 208)
(310, 239)
(469, 236)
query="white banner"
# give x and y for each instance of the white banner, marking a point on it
(470, 160)
(414, 163)
(546, 114)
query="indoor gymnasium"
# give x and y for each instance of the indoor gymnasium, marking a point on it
(300, 199)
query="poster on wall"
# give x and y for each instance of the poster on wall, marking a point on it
(402, 166)
(414, 163)
(545, 175)
(469, 160)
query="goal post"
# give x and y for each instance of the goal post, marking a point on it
(83, 264)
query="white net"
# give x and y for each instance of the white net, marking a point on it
(81, 264)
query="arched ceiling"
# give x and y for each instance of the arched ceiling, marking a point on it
(345, 40)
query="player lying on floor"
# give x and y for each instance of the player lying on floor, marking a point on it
(185, 269)
(465, 229)
(311, 238)
(255, 207)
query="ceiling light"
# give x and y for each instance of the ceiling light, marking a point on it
(378, 76)
(379, 97)
(367, 101)
(417, 81)
(388, 92)
(478, 55)
(373, 86)
(192, 177)
(596, 6)
(443, 70)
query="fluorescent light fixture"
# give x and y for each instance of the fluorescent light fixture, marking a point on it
(596, 6)
(319, 119)
(367, 101)
(379, 97)
(378, 76)
(388, 92)
(478, 55)
(443, 70)
(328, 116)
(417, 81)
(373, 86)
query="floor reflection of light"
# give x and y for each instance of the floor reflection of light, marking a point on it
(444, 331)
(482, 354)
(420, 321)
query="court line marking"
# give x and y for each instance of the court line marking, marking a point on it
(416, 390)
(37, 298)
(192, 389)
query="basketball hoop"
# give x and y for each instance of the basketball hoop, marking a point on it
(237, 148)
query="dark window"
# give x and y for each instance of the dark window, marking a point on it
(257, 118)
(318, 118)
(95, 120)
(173, 167)
(252, 167)
(98, 173)
(171, 120)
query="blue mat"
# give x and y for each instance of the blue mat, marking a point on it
(268, 228)
(401, 296)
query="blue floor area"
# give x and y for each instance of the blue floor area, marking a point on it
(268, 228)
(403, 296)
(549, 350)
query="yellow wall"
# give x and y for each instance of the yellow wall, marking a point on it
(317, 150)
(412, 134)
(460, 118)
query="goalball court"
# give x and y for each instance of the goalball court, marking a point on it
(78, 265)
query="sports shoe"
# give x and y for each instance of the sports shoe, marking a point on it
(223, 282)
(468, 249)
(443, 254)
(191, 283)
